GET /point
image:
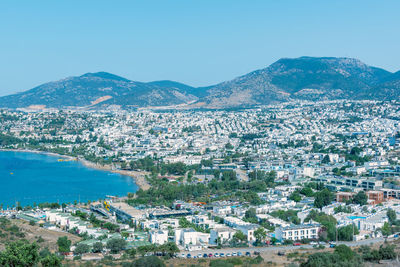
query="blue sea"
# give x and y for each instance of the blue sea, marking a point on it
(35, 178)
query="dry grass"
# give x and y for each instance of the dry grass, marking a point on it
(33, 233)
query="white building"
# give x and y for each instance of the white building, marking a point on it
(297, 232)
(222, 234)
(159, 237)
(190, 239)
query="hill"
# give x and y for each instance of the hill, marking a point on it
(304, 78)
(94, 89)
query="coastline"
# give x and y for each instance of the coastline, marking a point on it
(139, 177)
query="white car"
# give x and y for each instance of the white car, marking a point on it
(313, 243)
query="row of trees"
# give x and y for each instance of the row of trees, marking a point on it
(227, 185)
(25, 254)
(115, 245)
(325, 197)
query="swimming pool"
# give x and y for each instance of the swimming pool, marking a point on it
(356, 217)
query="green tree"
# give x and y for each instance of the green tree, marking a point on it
(323, 198)
(131, 252)
(260, 234)
(20, 253)
(115, 245)
(250, 215)
(51, 261)
(44, 253)
(307, 191)
(345, 233)
(151, 261)
(345, 252)
(81, 249)
(64, 244)
(387, 252)
(325, 160)
(295, 196)
(391, 214)
(327, 221)
(239, 237)
(170, 248)
(360, 198)
(321, 259)
(229, 146)
(97, 247)
(386, 230)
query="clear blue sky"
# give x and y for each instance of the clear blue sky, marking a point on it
(199, 42)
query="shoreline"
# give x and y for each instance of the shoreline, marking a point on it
(138, 177)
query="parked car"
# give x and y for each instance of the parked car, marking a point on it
(296, 244)
(188, 256)
(210, 255)
(234, 254)
(205, 255)
(256, 253)
(239, 253)
(313, 243)
(332, 245)
(281, 253)
(248, 253)
(216, 255)
(221, 255)
(228, 254)
(322, 243)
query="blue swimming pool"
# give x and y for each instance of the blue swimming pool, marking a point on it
(356, 217)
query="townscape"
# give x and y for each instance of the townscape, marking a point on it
(222, 183)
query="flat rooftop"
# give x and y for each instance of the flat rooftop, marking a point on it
(127, 209)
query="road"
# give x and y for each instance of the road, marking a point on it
(281, 248)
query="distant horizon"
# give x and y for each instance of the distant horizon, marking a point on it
(198, 43)
(195, 86)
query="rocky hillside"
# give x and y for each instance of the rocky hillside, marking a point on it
(306, 78)
(98, 89)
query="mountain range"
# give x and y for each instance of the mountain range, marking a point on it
(304, 78)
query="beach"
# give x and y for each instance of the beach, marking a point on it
(138, 176)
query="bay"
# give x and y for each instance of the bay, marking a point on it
(30, 178)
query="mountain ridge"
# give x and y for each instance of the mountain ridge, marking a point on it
(303, 78)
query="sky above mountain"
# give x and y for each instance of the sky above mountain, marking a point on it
(195, 42)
